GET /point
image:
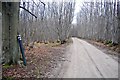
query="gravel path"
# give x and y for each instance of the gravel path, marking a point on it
(86, 61)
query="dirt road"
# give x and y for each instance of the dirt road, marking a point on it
(86, 61)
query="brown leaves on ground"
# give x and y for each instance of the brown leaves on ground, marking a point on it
(40, 62)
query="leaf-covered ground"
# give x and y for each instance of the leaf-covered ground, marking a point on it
(41, 60)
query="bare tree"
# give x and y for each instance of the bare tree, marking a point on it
(53, 22)
(10, 17)
(118, 16)
(98, 20)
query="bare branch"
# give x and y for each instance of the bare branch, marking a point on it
(28, 11)
(42, 3)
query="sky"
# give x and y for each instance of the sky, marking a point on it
(77, 6)
(77, 9)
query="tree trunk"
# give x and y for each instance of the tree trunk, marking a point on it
(118, 15)
(10, 20)
(0, 40)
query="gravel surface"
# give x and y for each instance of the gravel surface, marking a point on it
(86, 61)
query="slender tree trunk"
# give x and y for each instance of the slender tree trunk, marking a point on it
(118, 15)
(0, 40)
(10, 11)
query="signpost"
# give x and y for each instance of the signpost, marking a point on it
(21, 48)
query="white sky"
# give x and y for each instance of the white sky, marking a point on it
(77, 9)
(77, 5)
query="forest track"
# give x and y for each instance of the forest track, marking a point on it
(86, 61)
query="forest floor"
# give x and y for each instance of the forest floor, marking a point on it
(41, 60)
(45, 60)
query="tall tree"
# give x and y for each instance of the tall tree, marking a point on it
(0, 40)
(118, 16)
(10, 22)
(100, 20)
